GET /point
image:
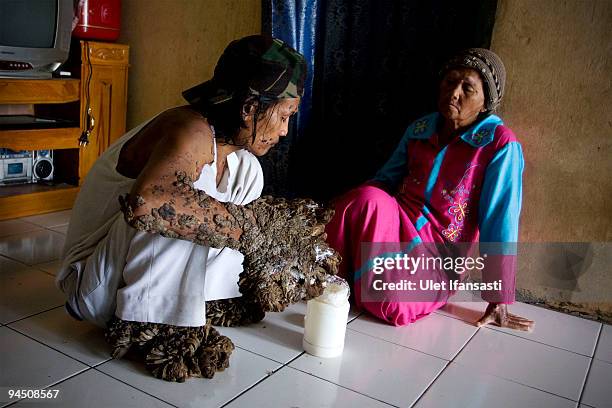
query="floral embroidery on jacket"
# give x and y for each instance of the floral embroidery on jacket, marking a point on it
(452, 233)
(420, 126)
(478, 136)
(458, 209)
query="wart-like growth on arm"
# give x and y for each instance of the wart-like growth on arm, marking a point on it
(181, 211)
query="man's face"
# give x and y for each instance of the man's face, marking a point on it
(273, 125)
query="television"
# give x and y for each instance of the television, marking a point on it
(34, 37)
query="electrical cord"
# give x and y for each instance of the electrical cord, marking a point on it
(88, 118)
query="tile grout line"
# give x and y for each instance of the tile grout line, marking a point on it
(32, 315)
(601, 329)
(54, 349)
(95, 367)
(497, 329)
(12, 234)
(261, 355)
(274, 371)
(28, 222)
(602, 361)
(466, 343)
(51, 347)
(343, 386)
(293, 368)
(17, 260)
(34, 266)
(241, 393)
(536, 341)
(514, 381)
(102, 362)
(400, 345)
(30, 265)
(448, 363)
(57, 232)
(88, 368)
(42, 226)
(588, 373)
(504, 378)
(130, 385)
(39, 228)
(46, 273)
(54, 384)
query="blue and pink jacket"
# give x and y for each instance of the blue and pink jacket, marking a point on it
(467, 191)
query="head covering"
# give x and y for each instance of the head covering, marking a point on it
(257, 65)
(491, 70)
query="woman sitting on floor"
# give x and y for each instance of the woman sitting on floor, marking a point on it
(456, 176)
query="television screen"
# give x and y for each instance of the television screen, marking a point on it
(28, 23)
(34, 37)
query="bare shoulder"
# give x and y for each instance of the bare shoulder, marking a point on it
(175, 132)
(187, 135)
(184, 131)
(183, 143)
(185, 125)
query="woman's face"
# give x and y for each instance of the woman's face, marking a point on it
(461, 96)
(271, 126)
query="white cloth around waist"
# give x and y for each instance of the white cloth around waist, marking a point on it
(140, 276)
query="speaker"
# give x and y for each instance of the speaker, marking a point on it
(42, 167)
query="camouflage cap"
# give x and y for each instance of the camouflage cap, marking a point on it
(257, 65)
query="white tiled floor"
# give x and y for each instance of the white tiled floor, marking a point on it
(442, 360)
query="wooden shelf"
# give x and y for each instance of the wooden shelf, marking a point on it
(40, 139)
(9, 190)
(25, 91)
(105, 66)
(30, 199)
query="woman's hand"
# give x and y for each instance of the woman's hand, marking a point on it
(497, 313)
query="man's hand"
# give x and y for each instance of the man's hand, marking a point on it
(286, 258)
(497, 314)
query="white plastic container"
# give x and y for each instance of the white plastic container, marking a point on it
(325, 320)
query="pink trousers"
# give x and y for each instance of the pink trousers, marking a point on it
(368, 214)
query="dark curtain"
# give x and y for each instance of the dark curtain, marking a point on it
(373, 68)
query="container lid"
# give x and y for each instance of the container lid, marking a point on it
(336, 291)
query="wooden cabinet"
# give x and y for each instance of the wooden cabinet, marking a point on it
(107, 97)
(102, 87)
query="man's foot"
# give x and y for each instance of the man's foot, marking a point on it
(233, 312)
(171, 353)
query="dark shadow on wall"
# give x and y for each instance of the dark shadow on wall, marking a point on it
(375, 70)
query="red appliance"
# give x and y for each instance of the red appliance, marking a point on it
(98, 20)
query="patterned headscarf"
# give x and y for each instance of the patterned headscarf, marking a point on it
(259, 65)
(491, 70)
